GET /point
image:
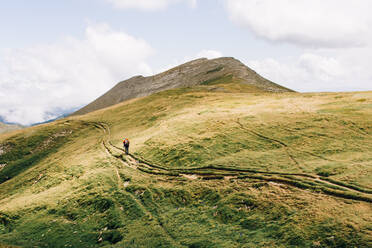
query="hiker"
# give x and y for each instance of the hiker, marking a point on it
(126, 145)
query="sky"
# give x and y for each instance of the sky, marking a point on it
(56, 56)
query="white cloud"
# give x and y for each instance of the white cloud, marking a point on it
(334, 37)
(148, 5)
(38, 82)
(316, 72)
(309, 23)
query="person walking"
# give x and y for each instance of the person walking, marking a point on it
(126, 145)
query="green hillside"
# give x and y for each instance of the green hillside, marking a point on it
(222, 164)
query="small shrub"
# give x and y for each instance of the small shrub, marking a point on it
(201, 244)
(98, 203)
(112, 236)
(251, 224)
(217, 69)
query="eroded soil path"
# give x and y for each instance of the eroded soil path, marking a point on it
(299, 180)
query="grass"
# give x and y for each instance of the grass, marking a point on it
(218, 80)
(261, 155)
(24, 152)
(218, 68)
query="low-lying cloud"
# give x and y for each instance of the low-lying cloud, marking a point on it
(316, 71)
(40, 82)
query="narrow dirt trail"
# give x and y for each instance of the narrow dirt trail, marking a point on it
(298, 180)
(121, 185)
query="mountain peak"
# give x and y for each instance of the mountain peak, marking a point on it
(195, 72)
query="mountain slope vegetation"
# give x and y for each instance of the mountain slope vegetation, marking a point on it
(221, 164)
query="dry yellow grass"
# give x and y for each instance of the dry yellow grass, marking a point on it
(322, 132)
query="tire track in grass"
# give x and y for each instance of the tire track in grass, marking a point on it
(316, 183)
(154, 217)
(134, 198)
(283, 144)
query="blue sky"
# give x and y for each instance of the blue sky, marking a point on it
(60, 55)
(176, 32)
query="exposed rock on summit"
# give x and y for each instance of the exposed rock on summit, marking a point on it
(193, 73)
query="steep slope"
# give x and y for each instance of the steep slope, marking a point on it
(196, 72)
(211, 166)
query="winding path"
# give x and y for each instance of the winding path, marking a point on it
(211, 172)
(132, 163)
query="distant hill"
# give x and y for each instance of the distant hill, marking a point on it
(61, 116)
(8, 127)
(196, 72)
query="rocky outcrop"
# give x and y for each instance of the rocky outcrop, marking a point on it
(189, 74)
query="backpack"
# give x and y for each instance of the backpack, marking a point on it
(126, 142)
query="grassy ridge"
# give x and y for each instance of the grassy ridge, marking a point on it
(78, 194)
(23, 152)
